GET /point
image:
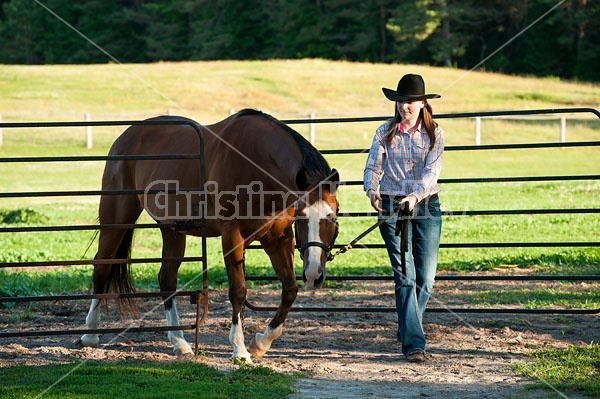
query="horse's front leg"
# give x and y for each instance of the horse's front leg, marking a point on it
(233, 253)
(173, 247)
(281, 253)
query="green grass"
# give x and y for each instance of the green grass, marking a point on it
(574, 370)
(537, 298)
(139, 380)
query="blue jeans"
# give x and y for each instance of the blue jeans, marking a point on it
(413, 290)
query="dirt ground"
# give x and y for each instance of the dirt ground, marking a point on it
(342, 354)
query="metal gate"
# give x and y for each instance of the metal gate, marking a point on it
(197, 297)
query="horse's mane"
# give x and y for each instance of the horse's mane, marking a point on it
(314, 165)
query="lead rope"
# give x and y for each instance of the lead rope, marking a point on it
(402, 229)
(352, 243)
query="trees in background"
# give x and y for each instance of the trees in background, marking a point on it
(508, 36)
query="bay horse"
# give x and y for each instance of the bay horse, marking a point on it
(261, 177)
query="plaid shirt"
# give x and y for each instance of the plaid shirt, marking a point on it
(406, 166)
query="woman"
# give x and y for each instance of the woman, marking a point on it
(403, 167)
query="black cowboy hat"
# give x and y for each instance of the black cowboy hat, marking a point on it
(410, 88)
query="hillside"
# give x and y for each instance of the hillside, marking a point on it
(207, 91)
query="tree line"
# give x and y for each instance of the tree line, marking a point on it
(527, 37)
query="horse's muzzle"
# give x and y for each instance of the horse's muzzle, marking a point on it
(314, 283)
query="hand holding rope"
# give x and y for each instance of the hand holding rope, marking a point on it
(405, 214)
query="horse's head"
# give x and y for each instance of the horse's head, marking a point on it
(316, 229)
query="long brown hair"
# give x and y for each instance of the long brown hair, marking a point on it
(426, 115)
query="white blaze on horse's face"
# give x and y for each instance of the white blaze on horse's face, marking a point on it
(315, 257)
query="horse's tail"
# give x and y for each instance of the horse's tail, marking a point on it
(120, 280)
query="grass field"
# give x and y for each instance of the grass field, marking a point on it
(208, 91)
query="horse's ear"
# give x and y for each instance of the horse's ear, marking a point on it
(301, 180)
(334, 177)
(334, 181)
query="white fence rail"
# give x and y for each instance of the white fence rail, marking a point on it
(312, 134)
(563, 126)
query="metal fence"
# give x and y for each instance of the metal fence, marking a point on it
(200, 297)
(467, 213)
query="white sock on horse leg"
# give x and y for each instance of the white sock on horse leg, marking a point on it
(264, 340)
(236, 338)
(180, 345)
(92, 321)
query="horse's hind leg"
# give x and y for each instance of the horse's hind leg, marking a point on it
(112, 243)
(173, 247)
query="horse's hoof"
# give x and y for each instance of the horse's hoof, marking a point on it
(241, 357)
(184, 353)
(242, 360)
(80, 343)
(184, 356)
(255, 351)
